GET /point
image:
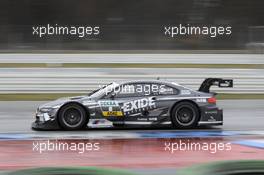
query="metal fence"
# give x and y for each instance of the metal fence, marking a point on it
(83, 80)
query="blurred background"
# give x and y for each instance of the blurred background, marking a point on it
(34, 70)
(131, 25)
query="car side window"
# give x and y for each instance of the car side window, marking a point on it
(129, 90)
(142, 89)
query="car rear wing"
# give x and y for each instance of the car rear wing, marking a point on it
(222, 83)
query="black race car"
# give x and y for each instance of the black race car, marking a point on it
(150, 102)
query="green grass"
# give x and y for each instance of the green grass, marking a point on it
(225, 168)
(239, 96)
(71, 170)
(129, 65)
(53, 96)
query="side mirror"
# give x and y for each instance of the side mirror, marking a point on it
(112, 95)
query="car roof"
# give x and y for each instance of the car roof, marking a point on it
(151, 81)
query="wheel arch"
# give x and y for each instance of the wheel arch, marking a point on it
(73, 102)
(185, 100)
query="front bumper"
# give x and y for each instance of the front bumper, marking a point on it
(48, 125)
(45, 121)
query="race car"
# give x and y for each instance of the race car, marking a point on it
(141, 102)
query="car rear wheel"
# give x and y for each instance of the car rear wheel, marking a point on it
(185, 115)
(72, 117)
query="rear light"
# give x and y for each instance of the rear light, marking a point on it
(211, 100)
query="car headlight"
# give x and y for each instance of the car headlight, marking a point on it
(45, 110)
(46, 113)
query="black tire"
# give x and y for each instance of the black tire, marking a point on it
(185, 115)
(73, 117)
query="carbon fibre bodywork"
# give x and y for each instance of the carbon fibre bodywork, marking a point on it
(130, 107)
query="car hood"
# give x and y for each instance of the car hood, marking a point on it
(61, 101)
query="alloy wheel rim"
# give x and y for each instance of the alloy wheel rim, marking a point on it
(72, 117)
(185, 115)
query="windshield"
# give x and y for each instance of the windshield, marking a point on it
(104, 90)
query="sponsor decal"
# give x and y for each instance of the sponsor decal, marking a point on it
(110, 108)
(153, 119)
(166, 90)
(112, 113)
(201, 100)
(139, 105)
(211, 119)
(142, 119)
(108, 103)
(211, 112)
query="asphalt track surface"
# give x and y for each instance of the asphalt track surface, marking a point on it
(239, 115)
(16, 118)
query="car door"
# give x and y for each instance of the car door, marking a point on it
(139, 104)
(120, 103)
(132, 101)
(164, 96)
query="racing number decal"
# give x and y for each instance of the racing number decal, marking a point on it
(110, 108)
